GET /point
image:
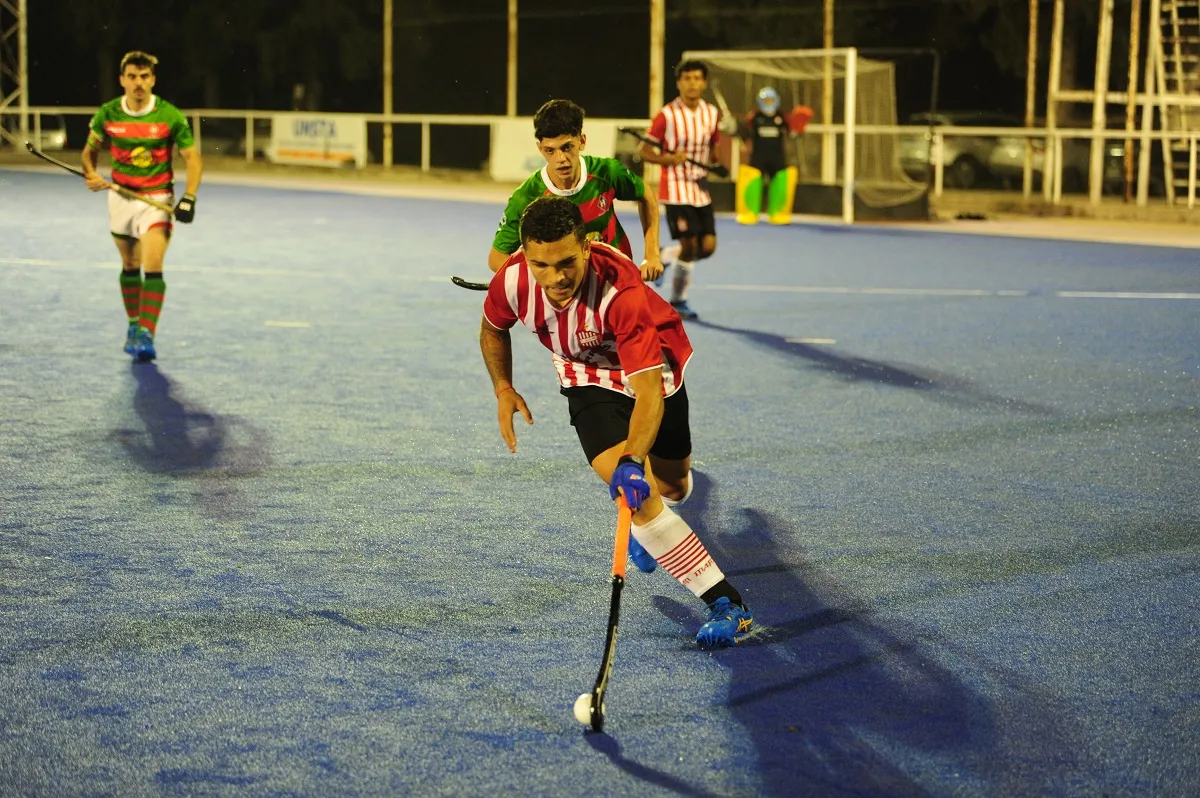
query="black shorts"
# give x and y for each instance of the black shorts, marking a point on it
(688, 220)
(601, 420)
(769, 168)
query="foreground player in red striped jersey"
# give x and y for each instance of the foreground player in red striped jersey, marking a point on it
(620, 352)
(141, 131)
(686, 128)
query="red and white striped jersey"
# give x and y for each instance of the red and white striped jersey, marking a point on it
(614, 327)
(692, 131)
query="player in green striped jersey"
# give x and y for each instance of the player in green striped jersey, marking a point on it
(591, 183)
(141, 131)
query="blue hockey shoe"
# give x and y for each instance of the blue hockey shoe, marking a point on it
(145, 345)
(640, 557)
(684, 310)
(131, 338)
(726, 623)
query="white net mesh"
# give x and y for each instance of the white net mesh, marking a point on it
(736, 76)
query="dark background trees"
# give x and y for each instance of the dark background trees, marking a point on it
(450, 57)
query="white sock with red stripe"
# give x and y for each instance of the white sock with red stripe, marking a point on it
(683, 278)
(672, 542)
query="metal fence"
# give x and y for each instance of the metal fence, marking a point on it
(944, 156)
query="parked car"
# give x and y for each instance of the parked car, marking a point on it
(965, 158)
(1114, 167)
(1008, 162)
(53, 129)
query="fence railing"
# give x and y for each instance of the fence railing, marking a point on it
(1060, 159)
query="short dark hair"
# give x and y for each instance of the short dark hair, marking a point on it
(548, 219)
(691, 65)
(557, 118)
(138, 58)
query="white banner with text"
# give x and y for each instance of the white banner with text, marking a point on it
(316, 140)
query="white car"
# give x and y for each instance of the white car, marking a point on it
(1007, 162)
(53, 130)
(965, 158)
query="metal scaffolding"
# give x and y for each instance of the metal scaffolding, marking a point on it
(14, 67)
(1169, 98)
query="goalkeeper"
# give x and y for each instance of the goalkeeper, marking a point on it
(767, 131)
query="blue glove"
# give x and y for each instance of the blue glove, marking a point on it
(630, 478)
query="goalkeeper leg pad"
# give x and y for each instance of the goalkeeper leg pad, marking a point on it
(749, 194)
(781, 193)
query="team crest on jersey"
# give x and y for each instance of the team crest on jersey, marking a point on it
(602, 203)
(588, 339)
(595, 235)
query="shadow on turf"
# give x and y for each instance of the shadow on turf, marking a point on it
(857, 369)
(612, 749)
(182, 438)
(837, 702)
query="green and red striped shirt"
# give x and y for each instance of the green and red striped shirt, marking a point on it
(140, 144)
(602, 181)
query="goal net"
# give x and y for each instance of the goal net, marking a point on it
(850, 96)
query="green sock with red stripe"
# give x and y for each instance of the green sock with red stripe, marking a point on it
(154, 288)
(131, 293)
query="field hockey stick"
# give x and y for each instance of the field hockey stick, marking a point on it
(124, 192)
(620, 555)
(467, 284)
(716, 168)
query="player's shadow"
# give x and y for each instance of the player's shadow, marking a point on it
(838, 701)
(181, 438)
(857, 369)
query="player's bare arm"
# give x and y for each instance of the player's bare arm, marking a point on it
(652, 265)
(654, 155)
(195, 169)
(496, 347)
(496, 259)
(647, 413)
(90, 160)
(644, 421)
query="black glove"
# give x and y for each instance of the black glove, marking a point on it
(185, 211)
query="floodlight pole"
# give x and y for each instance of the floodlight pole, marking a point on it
(1050, 166)
(658, 37)
(23, 64)
(1100, 101)
(1031, 98)
(510, 104)
(1135, 35)
(388, 27)
(828, 141)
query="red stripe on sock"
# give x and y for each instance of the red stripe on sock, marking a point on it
(700, 563)
(684, 551)
(151, 296)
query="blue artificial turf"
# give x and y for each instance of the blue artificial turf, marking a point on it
(294, 558)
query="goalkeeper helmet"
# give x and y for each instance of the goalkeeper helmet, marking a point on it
(768, 101)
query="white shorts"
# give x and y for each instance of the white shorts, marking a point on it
(130, 218)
